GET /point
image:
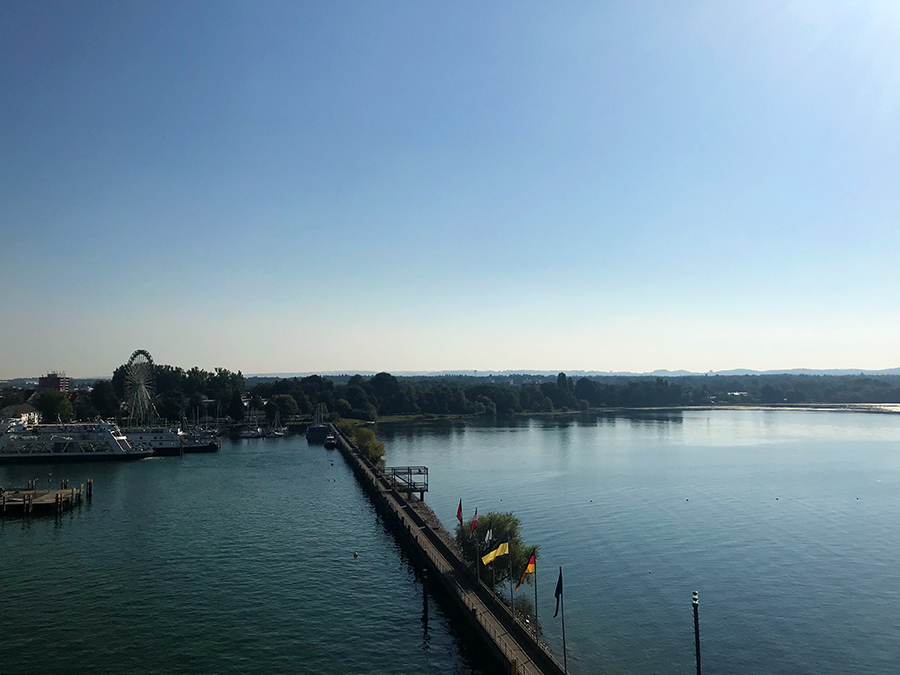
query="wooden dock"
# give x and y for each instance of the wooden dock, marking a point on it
(510, 643)
(30, 500)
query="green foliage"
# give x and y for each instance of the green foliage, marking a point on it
(488, 407)
(179, 392)
(83, 409)
(502, 524)
(347, 427)
(53, 406)
(368, 445)
(12, 396)
(286, 405)
(236, 407)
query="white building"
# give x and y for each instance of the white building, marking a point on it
(23, 413)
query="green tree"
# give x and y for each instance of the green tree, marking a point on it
(770, 394)
(104, 399)
(236, 406)
(53, 406)
(502, 525)
(368, 445)
(286, 404)
(490, 408)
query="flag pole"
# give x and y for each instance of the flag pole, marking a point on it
(537, 626)
(562, 602)
(512, 589)
(477, 563)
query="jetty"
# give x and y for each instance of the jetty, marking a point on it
(492, 622)
(30, 499)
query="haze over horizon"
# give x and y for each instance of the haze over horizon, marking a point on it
(290, 187)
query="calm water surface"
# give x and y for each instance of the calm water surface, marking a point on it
(786, 522)
(241, 562)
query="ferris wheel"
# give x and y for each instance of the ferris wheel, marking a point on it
(139, 387)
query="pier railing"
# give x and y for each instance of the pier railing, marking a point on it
(407, 478)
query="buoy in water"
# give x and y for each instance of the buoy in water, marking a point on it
(355, 554)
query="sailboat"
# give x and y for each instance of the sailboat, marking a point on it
(276, 430)
(318, 430)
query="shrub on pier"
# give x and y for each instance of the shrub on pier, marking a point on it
(368, 445)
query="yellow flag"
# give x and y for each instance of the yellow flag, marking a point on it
(502, 549)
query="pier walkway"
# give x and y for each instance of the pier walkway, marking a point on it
(507, 639)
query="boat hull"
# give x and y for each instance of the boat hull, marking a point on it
(317, 433)
(208, 447)
(168, 452)
(67, 458)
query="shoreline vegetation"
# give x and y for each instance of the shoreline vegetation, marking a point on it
(882, 408)
(226, 395)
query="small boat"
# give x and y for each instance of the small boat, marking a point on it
(199, 440)
(276, 429)
(330, 441)
(251, 432)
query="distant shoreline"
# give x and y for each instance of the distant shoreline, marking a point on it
(878, 408)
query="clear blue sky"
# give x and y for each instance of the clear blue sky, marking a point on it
(287, 186)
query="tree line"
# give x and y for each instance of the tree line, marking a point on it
(384, 394)
(185, 393)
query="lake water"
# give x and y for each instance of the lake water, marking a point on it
(785, 521)
(238, 562)
(242, 562)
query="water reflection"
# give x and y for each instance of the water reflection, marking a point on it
(758, 509)
(426, 638)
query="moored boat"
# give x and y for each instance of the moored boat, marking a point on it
(200, 440)
(77, 442)
(276, 429)
(250, 432)
(318, 430)
(164, 441)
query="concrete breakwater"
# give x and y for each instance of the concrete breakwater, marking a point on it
(489, 620)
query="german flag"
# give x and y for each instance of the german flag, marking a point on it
(502, 549)
(529, 568)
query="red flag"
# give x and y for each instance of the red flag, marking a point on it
(474, 522)
(459, 512)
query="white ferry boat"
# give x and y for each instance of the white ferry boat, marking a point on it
(164, 441)
(67, 443)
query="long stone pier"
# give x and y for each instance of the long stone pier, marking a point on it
(505, 638)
